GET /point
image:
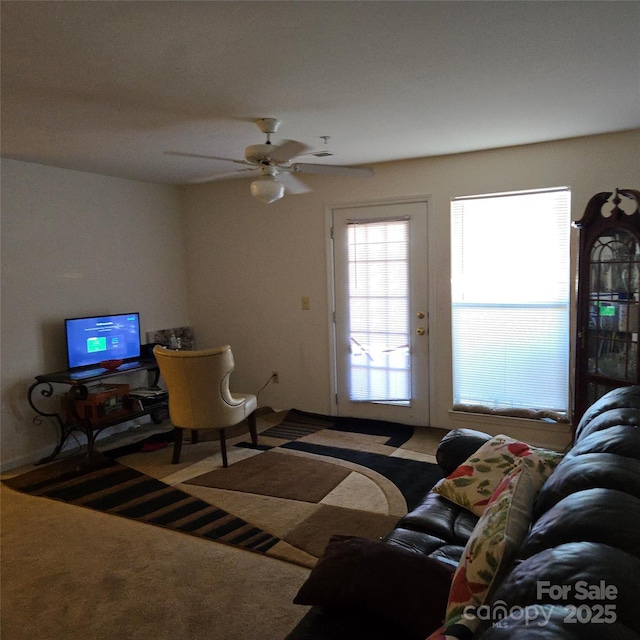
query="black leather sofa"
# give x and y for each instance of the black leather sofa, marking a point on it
(585, 533)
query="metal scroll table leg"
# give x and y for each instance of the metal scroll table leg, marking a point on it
(63, 431)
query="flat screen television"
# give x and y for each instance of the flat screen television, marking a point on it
(97, 338)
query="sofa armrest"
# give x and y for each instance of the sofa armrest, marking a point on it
(457, 446)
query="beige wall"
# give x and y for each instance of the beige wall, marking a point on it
(250, 263)
(76, 244)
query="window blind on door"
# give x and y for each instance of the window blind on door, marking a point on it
(378, 259)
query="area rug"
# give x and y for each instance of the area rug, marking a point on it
(344, 475)
(103, 484)
(310, 477)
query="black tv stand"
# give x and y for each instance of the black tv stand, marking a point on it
(86, 421)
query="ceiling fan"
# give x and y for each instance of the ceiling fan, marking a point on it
(273, 162)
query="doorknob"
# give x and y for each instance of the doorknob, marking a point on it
(420, 331)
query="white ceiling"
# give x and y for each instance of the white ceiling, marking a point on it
(107, 87)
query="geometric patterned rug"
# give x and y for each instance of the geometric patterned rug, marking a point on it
(107, 486)
(309, 478)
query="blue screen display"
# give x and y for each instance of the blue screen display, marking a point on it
(92, 340)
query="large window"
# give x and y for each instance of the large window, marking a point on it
(510, 303)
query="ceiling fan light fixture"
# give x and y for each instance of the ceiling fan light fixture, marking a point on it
(267, 189)
(276, 161)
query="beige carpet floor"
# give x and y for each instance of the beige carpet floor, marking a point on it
(69, 573)
(76, 574)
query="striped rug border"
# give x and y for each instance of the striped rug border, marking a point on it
(110, 487)
(297, 424)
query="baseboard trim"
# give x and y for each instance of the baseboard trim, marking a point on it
(135, 429)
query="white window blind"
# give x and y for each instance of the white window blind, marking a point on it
(510, 302)
(379, 311)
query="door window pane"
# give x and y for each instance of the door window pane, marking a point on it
(379, 311)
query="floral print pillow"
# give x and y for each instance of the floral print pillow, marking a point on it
(438, 634)
(491, 547)
(472, 484)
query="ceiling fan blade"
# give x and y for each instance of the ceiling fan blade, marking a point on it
(332, 170)
(287, 150)
(214, 177)
(198, 155)
(292, 184)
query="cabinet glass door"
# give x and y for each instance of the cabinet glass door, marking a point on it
(612, 337)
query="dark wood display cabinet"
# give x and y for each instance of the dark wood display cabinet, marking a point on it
(608, 300)
(90, 402)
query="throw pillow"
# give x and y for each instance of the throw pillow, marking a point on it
(438, 634)
(473, 482)
(453, 633)
(492, 546)
(405, 588)
(464, 630)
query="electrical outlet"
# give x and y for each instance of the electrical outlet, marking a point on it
(275, 376)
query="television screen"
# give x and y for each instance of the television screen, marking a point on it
(92, 340)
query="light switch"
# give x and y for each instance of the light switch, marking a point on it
(305, 303)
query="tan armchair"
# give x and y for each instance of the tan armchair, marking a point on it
(199, 396)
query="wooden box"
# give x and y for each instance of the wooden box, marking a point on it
(98, 404)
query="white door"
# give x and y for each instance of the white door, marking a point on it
(381, 318)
